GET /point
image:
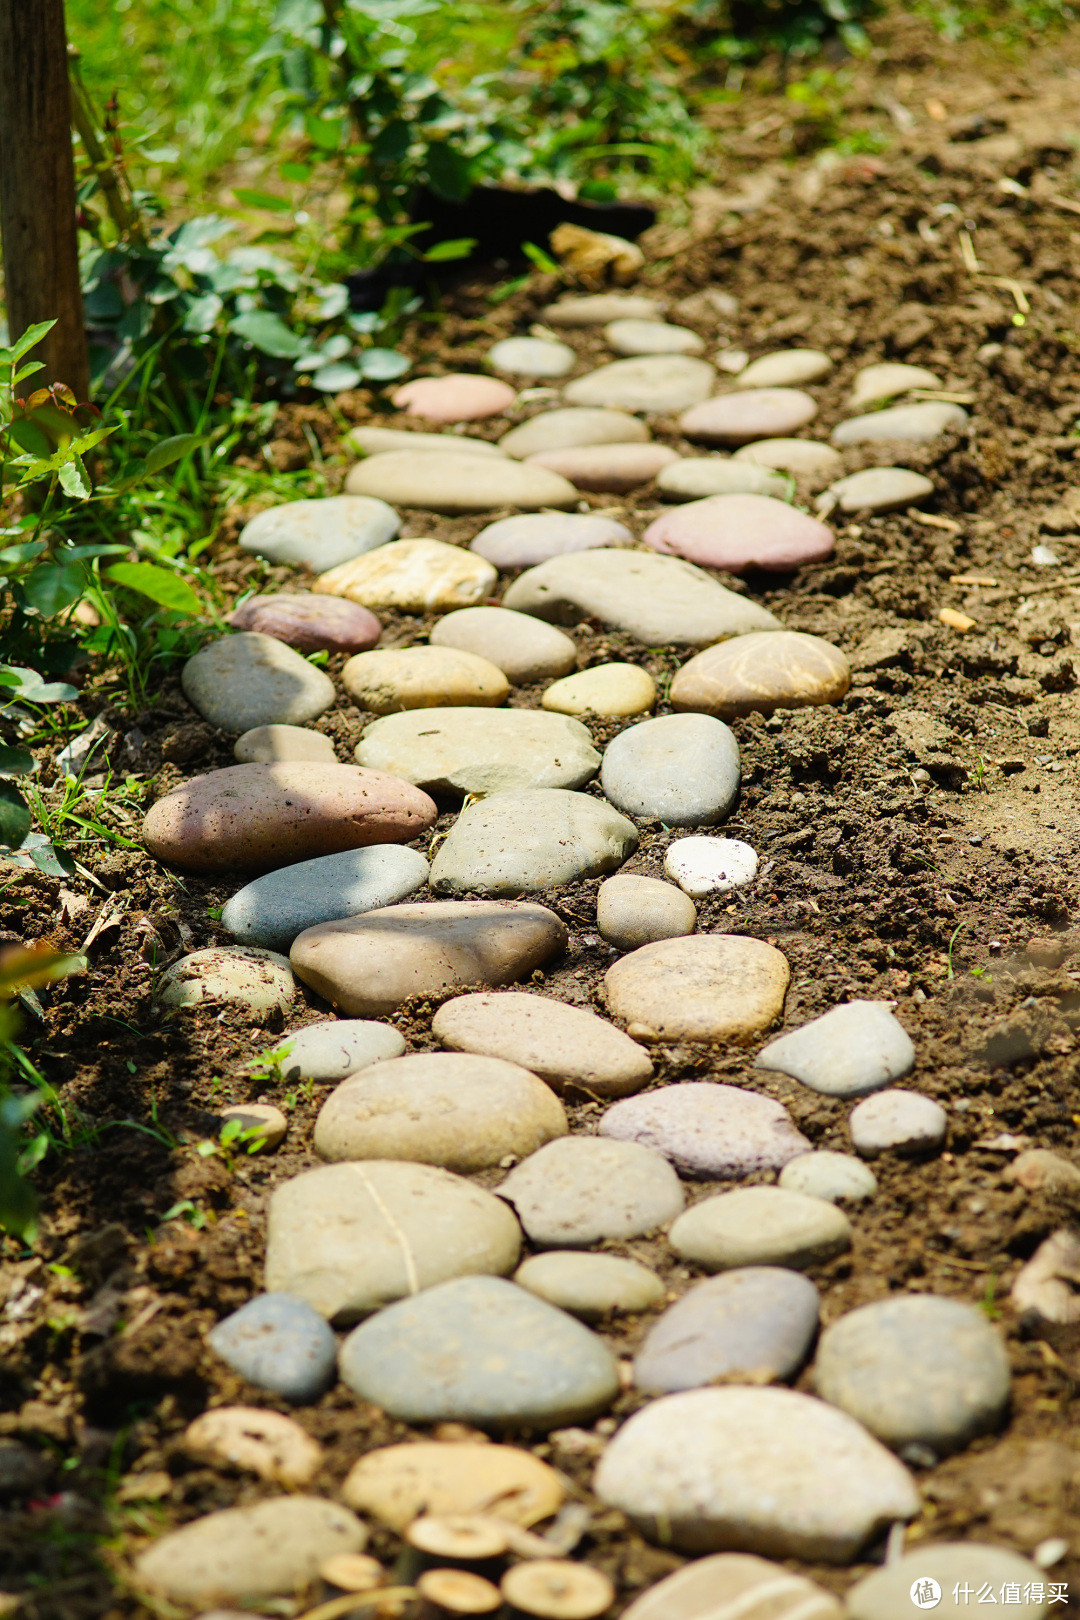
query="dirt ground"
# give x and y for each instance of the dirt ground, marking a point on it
(915, 840)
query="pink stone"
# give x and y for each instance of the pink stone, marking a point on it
(738, 532)
(754, 413)
(534, 537)
(462, 397)
(310, 623)
(607, 468)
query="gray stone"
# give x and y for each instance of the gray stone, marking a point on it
(848, 1052)
(566, 1046)
(916, 1370)
(525, 649)
(337, 1047)
(266, 745)
(375, 441)
(633, 910)
(898, 1122)
(241, 975)
(582, 1190)
(833, 1176)
(802, 458)
(880, 489)
(348, 1238)
(534, 537)
(591, 1286)
(630, 336)
(480, 1351)
(247, 680)
(696, 477)
(597, 309)
(711, 1131)
(739, 1584)
(452, 481)
(753, 1326)
(655, 383)
(481, 750)
(682, 770)
(958, 1567)
(660, 601)
(531, 357)
(564, 429)
(320, 534)
(707, 987)
(785, 368)
(275, 908)
(280, 1343)
(887, 379)
(763, 1470)
(761, 1226)
(910, 424)
(521, 843)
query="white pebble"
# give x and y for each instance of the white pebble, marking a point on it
(710, 865)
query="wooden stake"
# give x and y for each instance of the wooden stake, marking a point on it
(37, 190)
(447, 1593)
(556, 1589)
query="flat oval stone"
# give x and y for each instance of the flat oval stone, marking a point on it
(758, 413)
(566, 1046)
(479, 1350)
(534, 537)
(531, 357)
(264, 1443)
(482, 751)
(251, 817)
(460, 397)
(887, 379)
(444, 481)
(654, 383)
(612, 468)
(570, 428)
(275, 908)
(908, 424)
(681, 769)
(881, 489)
(348, 1238)
(583, 1190)
(263, 1125)
(738, 532)
(373, 441)
(766, 1469)
(848, 1052)
(597, 309)
(521, 843)
(370, 965)
(629, 336)
(957, 1567)
(337, 1047)
(396, 1484)
(1039, 1170)
(248, 680)
(785, 368)
(897, 1122)
(242, 975)
(525, 649)
(398, 678)
(279, 1343)
(702, 866)
(271, 745)
(916, 1370)
(710, 987)
(709, 1588)
(753, 1325)
(633, 911)
(458, 1110)
(707, 1130)
(833, 1176)
(309, 623)
(320, 534)
(603, 689)
(784, 669)
(660, 601)
(802, 458)
(761, 1226)
(239, 1555)
(590, 1286)
(692, 478)
(412, 576)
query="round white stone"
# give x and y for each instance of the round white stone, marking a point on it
(531, 357)
(703, 865)
(832, 1176)
(898, 1122)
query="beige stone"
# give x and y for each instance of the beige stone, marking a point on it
(590, 1286)
(706, 987)
(397, 1484)
(748, 1587)
(1039, 1170)
(807, 459)
(785, 368)
(607, 468)
(377, 441)
(633, 910)
(398, 678)
(411, 576)
(888, 379)
(657, 383)
(597, 309)
(761, 1226)
(242, 974)
(604, 689)
(481, 750)
(269, 745)
(247, 680)
(526, 649)
(566, 1046)
(572, 427)
(781, 669)
(630, 336)
(442, 481)
(268, 1124)
(265, 1443)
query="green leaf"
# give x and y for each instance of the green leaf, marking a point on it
(334, 378)
(15, 818)
(381, 365)
(11, 556)
(449, 171)
(16, 761)
(74, 480)
(51, 587)
(450, 250)
(32, 335)
(268, 333)
(262, 199)
(543, 261)
(168, 590)
(202, 313)
(53, 862)
(298, 172)
(166, 451)
(325, 133)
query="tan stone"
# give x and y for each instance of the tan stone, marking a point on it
(481, 750)
(377, 441)
(607, 468)
(817, 463)
(785, 368)
(781, 669)
(396, 1484)
(525, 649)
(574, 426)
(749, 1587)
(268, 1122)
(271, 745)
(566, 1046)
(397, 678)
(265, 1443)
(703, 987)
(411, 576)
(604, 689)
(241, 974)
(1039, 1170)
(446, 482)
(633, 910)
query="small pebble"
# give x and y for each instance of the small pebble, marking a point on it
(320, 534)
(337, 1047)
(897, 1122)
(802, 458)
(398, 678)
(461, 397)
(682, 770)
(396, 1484)
(702, 866)
(591, 1286)
(279, 1343)
(618, 689)
(633, 911)
(745, 415)
(753, 1325)
(597, 309)
(1039, 1170)
(412, 576)
(761, 1226)
(657, 384)
(708, 1130)
(531, 357)
(855, 1049)
(696, 477)
(887, 379)
(572, 427)
(534, 537)
(910, 424)
(241, 975)
(880, 489)
(261, 1124)
(257, 1441)
(785, 368)
(733, 361)
(525, 649)
(1046, 1287)
(633, 337)
(834, 1176)
(267, 745)
(582, 1190)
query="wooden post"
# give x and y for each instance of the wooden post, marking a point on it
(37, 190)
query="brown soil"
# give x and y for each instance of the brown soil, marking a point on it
(913, 839)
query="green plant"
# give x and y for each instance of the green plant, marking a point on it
(952, 941)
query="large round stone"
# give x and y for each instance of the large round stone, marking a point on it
(531, 357)
(887, 379)
(712, 1131)
(397, 1484)
(583, 1190)
(572, 428)
(682, 770)
(566, 1046)
(534, 537)
(632, 910)
(761, 1226)
(754, 1325)
(521, 843)
(759, 413)
(591, 1286)
(738, 532)
(802, 458)
(276, 907)
(336, 1047)
(460, 397)
(248, 680)
(961, 1570)
(781, 670)
(619, 689)
(320, 534)
(785, 368)
(398, 678)
(247, 977)
(655, 383)
(908, 424)
(442, 481)
(880, 489)
(607, 468)
(848, 1052)
(694, 477)
(739, 1583)
(412, 576)
(374, 441)
(525, 649)
(309, 623)
(708, 987)
(274, 745)
(483, 751)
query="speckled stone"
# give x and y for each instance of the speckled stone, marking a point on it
(531, 357)
(270, 745)
(620, 689)
(957, 1567)
(629, 336)
(240, 974)
(320, 534)
(309, 623)
(910, 424)
(695, 477)
(590, 1286)
(709, 1588)
(374, 441)
(632, 910)
(880, 489)
(806, 459)
(460, 397)
(248, 680)
(702, 865)
(412, 576)
(336, 1047)
(534, 537)
(758, 413)
(1039, 1170)
(482, 751)
(446, 481)
(275, 908)
(256, 1441)
(522, 843)
(564, 1045)
(738, 532)
(761, 1226)
(887, 379)
(279, 1343)
(708, 987)
(848, 1052)
(657, 383)
(710, 1131)
(582, 1190)
(572, 427)
(525, 649)
(396, 1484)
(754, 1325)
(898, 1122)
(783, 669)
(607, 468)
(785, 368)
(682, 770)
(597, 309)
(834, 1176)
(393, 679)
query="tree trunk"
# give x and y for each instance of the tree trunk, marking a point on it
(37, 189)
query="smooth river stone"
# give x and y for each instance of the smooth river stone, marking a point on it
(412, 576)
(658, 383)
(784, 669)
(244, 975)
(583, 1190)
(320, 534)
(848, 1052)
(525, 649)
(274, 745)
(309, 623)
(909, 424)
(916, 1370)
(757, 413)
(448, 482)
(461, 397)
(607, 468)
(397, 1484)
(481, 750)
(255, 817)
(897, 1122)
(621, 689)
(398, 678)
(702, 866)
(521, 843)
(751, 1326)
(740, 1585)
(880, 489)
(738, 532)
(534, 537)
(597, 309)
(572, 428)
(834, 1176)
(566, 1046)
(278, 906)
(961, 1569)
(272, 1548)
(279, 1343)
(709, 1131)
(660, 601)
(590, 1286)
(531, 357)
(761, 1226)
(633, 910)
(708, 987)
(692, 478)
(760, 1470)
(458, 1110)
(373, 441)
(369, 966)
(785, 368)
(629, 337)
(337, 1047)
(348, 1238)
(478, 1350)
(248, 680)
(802, 458)
(887, 379)
(681, 769)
